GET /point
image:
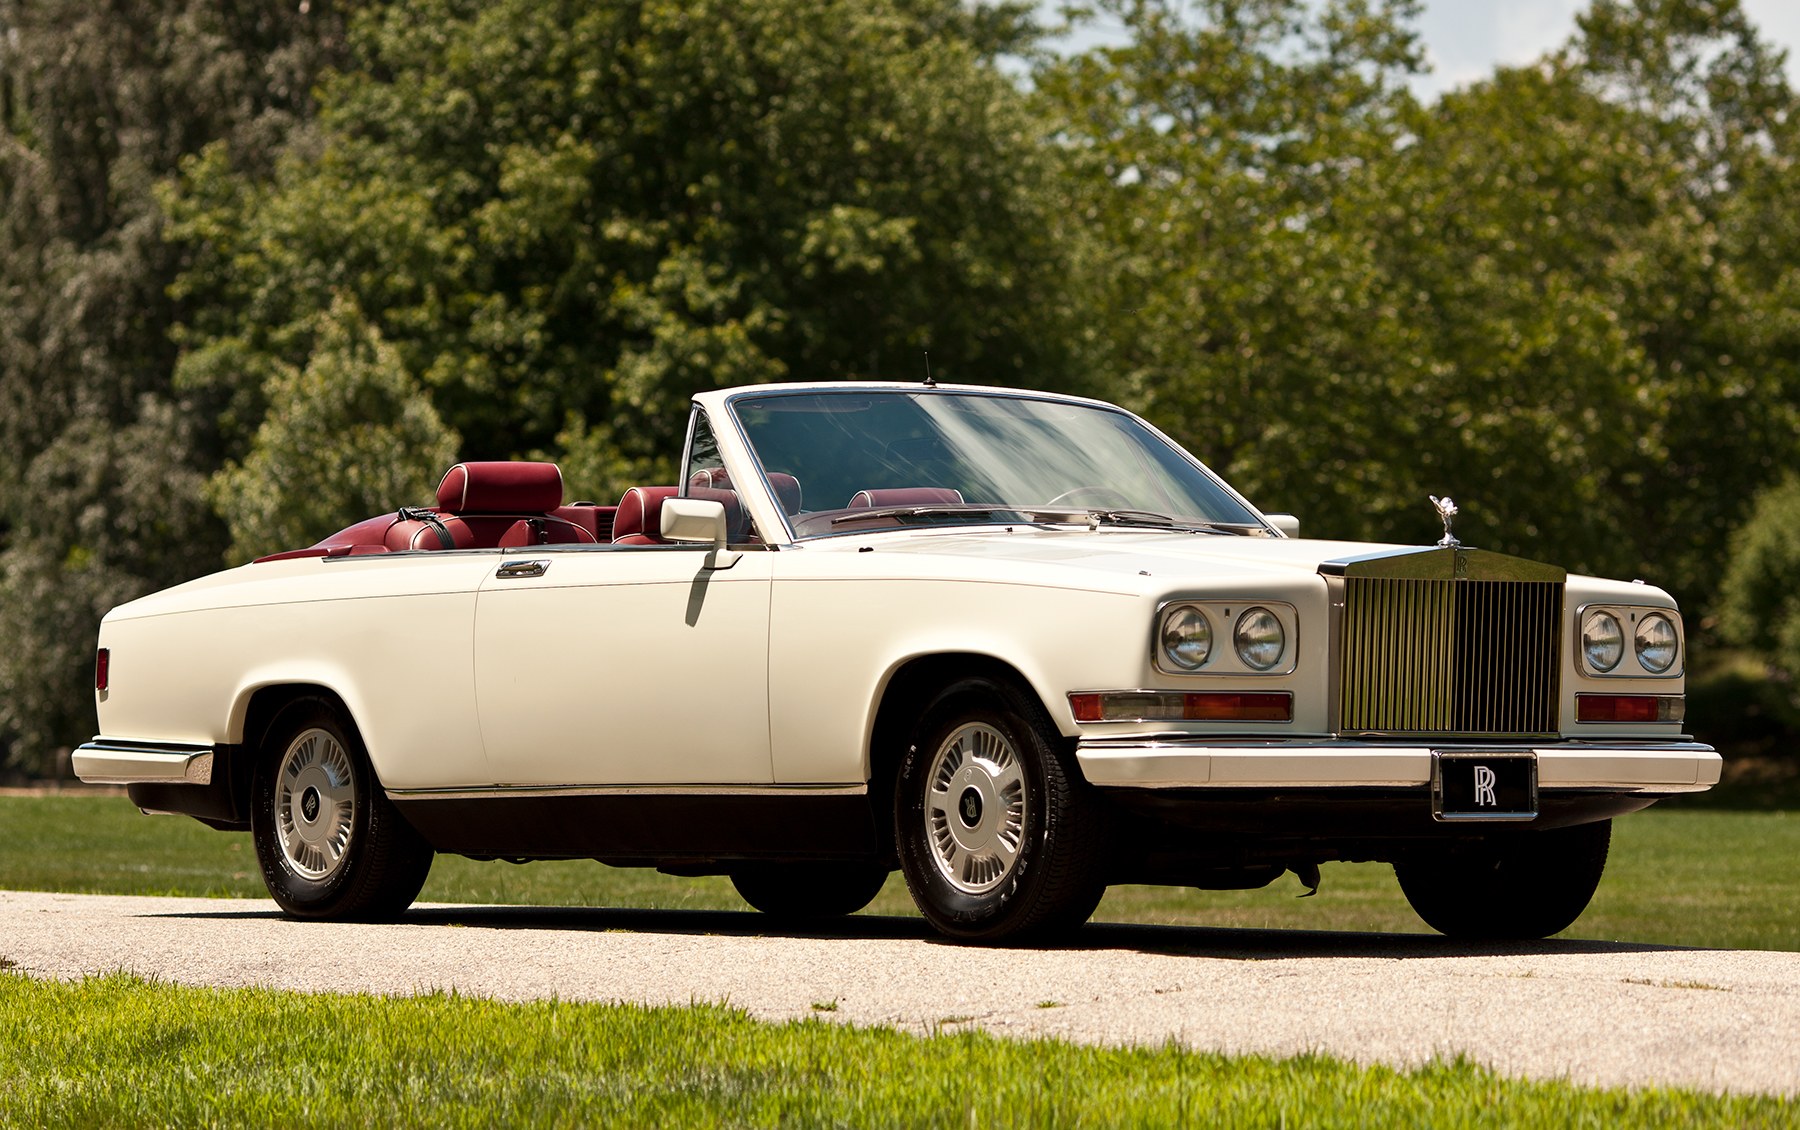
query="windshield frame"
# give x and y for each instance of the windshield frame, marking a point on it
(733, 399)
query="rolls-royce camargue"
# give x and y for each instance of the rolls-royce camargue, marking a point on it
(1018, 646)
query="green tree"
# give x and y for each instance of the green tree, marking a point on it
(97, 102)
(1238, 302)
(351, 434)
(1563, 295)
(567, 219)
(1759, 599)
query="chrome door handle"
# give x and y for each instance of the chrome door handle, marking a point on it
(515, 569)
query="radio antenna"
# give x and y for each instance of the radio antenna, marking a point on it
(929, 383)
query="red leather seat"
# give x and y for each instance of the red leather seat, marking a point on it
(787, 491)
(638, 520)
(484, 505)
(489, 505)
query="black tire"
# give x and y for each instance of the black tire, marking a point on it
(999, 836)
(801, 891)
(331, 845)
(1519, 886)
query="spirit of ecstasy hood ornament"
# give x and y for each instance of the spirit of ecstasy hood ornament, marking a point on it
(1446, 508)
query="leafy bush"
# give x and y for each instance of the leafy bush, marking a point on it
(1759, 600)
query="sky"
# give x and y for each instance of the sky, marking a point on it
(1466, 39)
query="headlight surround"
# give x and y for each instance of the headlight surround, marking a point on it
(1259, 639)
(1602, 640)
(1657, 642)
(1187, 638)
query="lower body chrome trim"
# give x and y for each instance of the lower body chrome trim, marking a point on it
(111, 761)
(1668, 767)
(479, 792)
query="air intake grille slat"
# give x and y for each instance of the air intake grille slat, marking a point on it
(1450, 656)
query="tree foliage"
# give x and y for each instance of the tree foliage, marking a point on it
(1759, 599)
(1562, 295)
(566, 219)
(352, 433)
(100, 463)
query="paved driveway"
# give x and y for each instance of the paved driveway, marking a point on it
(1592, 1012)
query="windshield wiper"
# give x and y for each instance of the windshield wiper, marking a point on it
(1046, 515)
(862, 514)
(1128, 517)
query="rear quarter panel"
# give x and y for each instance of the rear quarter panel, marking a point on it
(390, 636)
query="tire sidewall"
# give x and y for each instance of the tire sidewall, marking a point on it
(952, 911)
(296, 893)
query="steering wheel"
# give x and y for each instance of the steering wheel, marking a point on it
(1090, 496)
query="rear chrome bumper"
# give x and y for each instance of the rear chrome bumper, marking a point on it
(1175, 763)
(110, 761)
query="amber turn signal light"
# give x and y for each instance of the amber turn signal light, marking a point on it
(1179, 706)
(1630, 708)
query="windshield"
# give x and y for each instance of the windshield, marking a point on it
(849, 461)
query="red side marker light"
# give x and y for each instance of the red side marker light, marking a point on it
(102, 668)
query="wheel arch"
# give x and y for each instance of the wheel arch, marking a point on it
(258, 708)
(908, 690)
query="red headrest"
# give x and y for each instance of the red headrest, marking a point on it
(640, 513)
(787, 491)
(907, 496)
(529, 487)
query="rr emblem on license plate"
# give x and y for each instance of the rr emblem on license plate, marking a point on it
(1483, 785)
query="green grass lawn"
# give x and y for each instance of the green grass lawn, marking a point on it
(120, 1051)
(1677, 876)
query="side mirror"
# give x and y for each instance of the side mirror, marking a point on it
(699, 521)
(1288, 524)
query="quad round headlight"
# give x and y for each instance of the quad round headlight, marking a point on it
(1602, 640)
(1187, 638)
(1657, 643)
(1259, 638)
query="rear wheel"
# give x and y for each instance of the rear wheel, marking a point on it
(809, 890)
(1519, 886)
(999, 836)
(330, 843)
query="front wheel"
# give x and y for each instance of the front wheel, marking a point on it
(999, 836)
(1518, 887)
(331, 845)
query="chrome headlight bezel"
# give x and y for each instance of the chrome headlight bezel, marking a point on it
(1642, 631)
(1224, 618)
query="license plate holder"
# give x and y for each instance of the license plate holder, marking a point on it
(1484, 785)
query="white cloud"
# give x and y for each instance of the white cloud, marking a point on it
(1466, 39)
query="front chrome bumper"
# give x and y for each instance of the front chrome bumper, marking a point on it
(1174, 763)
(109, 761)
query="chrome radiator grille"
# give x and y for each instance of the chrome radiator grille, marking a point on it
(1450, 656)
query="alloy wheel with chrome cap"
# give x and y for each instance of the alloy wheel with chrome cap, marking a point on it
(330, 843)
(998, 834)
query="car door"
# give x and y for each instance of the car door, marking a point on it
(624, 666)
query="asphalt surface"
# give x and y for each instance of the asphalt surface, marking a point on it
(1591, 1012)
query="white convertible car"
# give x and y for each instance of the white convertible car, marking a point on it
(1017, 645)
